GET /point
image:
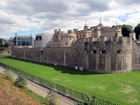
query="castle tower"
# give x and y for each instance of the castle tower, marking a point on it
(59, 35)
(97, 32)
(132, 34)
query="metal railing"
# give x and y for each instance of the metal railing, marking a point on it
(58, 88)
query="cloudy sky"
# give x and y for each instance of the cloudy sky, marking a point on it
(26, 17)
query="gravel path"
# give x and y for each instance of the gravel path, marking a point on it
(42, 91)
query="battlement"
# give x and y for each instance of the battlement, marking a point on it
(70, 31)
(82, 31)
(110, 38)
(107, 28)
(96, 27)
(57, 31)
(75, 29)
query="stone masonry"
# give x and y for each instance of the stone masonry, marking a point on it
(113, 54)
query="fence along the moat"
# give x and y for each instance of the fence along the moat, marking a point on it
(78, 96)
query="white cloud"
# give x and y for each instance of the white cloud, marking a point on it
(4, 37)
(25, 15)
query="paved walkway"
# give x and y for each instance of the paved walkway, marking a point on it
(42, 91)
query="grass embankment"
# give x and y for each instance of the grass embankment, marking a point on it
(12, 95)
(120, 88)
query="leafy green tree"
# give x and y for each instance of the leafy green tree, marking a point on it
(137, 30)
(113, 26)
(1, 45)
(6, 45)
(1, 49)
(21, 82)
(52, 97)
(126, 29)
(1, 41)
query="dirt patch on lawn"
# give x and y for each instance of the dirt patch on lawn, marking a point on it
(126, 89)
(132, 100)
(56, 79)
(90, 87)
(12, 95)
(103, 88)
(67, 80)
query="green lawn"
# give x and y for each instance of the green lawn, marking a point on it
(118, 88)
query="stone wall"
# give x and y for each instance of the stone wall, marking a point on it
(109, 56)
(69, 57)
(109, 31)
(116, 55)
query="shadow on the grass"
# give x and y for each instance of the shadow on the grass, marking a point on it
(58, 68)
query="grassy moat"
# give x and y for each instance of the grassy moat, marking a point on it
(122, 88)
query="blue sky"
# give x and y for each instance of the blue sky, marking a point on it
(126, 16)
(24, 33)
(26, 17)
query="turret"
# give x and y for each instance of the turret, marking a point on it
(55, 31)
(98, 31)
(85, 27)
(132, 34)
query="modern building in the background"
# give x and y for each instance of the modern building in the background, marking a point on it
(23, 40)
(42, 39)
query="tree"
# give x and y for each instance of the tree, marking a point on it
(137, 30)
(21, 82)
(1, 49)
(52, 97)
(6, 45)
(0, 41)
(1, 45)
(126, 29)
(113, 26)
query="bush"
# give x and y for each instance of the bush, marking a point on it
(21, 82)
(89, 101)
(52, 97)
(9, 74)
(6, 45)
(1, 49)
